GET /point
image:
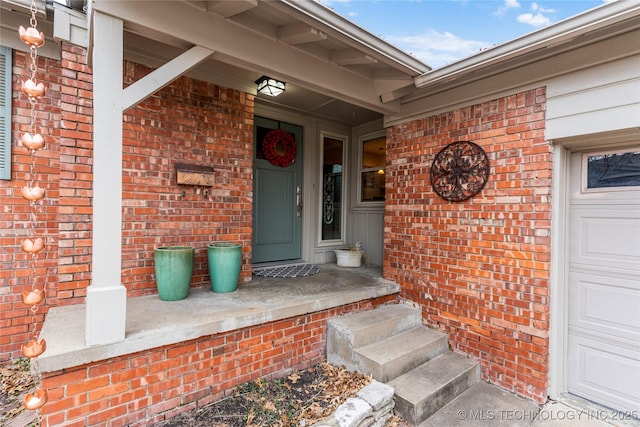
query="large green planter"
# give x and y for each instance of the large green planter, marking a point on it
(225, 260)
(173, 266)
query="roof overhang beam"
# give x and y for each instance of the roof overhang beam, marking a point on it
(300, 33)
(164, 75)
(230, 8)
(237, 46)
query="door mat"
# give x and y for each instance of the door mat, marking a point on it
(288, 271)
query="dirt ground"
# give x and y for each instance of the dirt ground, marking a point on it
(15, 382)
(301, 399)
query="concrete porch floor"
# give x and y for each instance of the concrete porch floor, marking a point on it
(489, 405)
(154, 323)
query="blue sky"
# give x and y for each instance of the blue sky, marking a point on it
(439, 32)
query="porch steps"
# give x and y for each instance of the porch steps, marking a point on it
(391, 344)
(393, 356)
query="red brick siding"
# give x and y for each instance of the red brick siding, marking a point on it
(188, 121)
(479, 268)
(150, 386)
(76, 177)
(15, 213)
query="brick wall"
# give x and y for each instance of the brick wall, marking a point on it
(188, 121)
(478, 268)
(15, 213)
(76, 178)
(150, 386)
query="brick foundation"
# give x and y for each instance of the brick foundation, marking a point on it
(479, 268)
(150, 386)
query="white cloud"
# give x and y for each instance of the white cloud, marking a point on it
(537, 17)
(438, 48)
(508, 4)
(537, 20)
(535, 7)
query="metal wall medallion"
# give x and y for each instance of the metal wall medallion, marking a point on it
(459, 171)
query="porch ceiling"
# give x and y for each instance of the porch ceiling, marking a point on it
(334, 69)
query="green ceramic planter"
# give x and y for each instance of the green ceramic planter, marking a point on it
(225, 260)
(173, 267)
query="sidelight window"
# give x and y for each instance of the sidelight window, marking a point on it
(333, 166)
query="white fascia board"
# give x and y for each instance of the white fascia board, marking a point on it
(524, 77)
(11, 20)
(237, 46)
(70, 25)
(328, 18)
(25, 6)
(556, 34)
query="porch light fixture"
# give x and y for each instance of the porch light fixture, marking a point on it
(269, 86)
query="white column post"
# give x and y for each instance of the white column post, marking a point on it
(106, 296)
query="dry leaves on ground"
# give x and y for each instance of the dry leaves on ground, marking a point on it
(15, 380)
(301, 399)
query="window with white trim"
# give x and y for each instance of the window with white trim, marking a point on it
(618, 169)
(373, 160)
(333, 187)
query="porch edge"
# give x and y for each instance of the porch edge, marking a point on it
(153, 323)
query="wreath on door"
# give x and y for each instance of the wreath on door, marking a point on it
(279, 148)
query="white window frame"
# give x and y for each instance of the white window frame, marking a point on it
(344, 187)
(361, 140)
(585, 170)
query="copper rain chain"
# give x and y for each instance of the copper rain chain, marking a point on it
(32, 245)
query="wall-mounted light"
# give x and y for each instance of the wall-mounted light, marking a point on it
(269, 86)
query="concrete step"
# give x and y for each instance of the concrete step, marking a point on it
(422, 391)
(397, 354)
(351, 331)
(482, 405)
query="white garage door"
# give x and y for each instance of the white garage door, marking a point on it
(604, 278)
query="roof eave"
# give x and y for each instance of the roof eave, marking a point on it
(554, 35)
(329, 18)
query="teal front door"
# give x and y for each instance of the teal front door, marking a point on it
(277, 193)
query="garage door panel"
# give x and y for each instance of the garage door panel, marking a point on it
(608, 239)
(604, 373)
(603, 344)
(605, 304)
